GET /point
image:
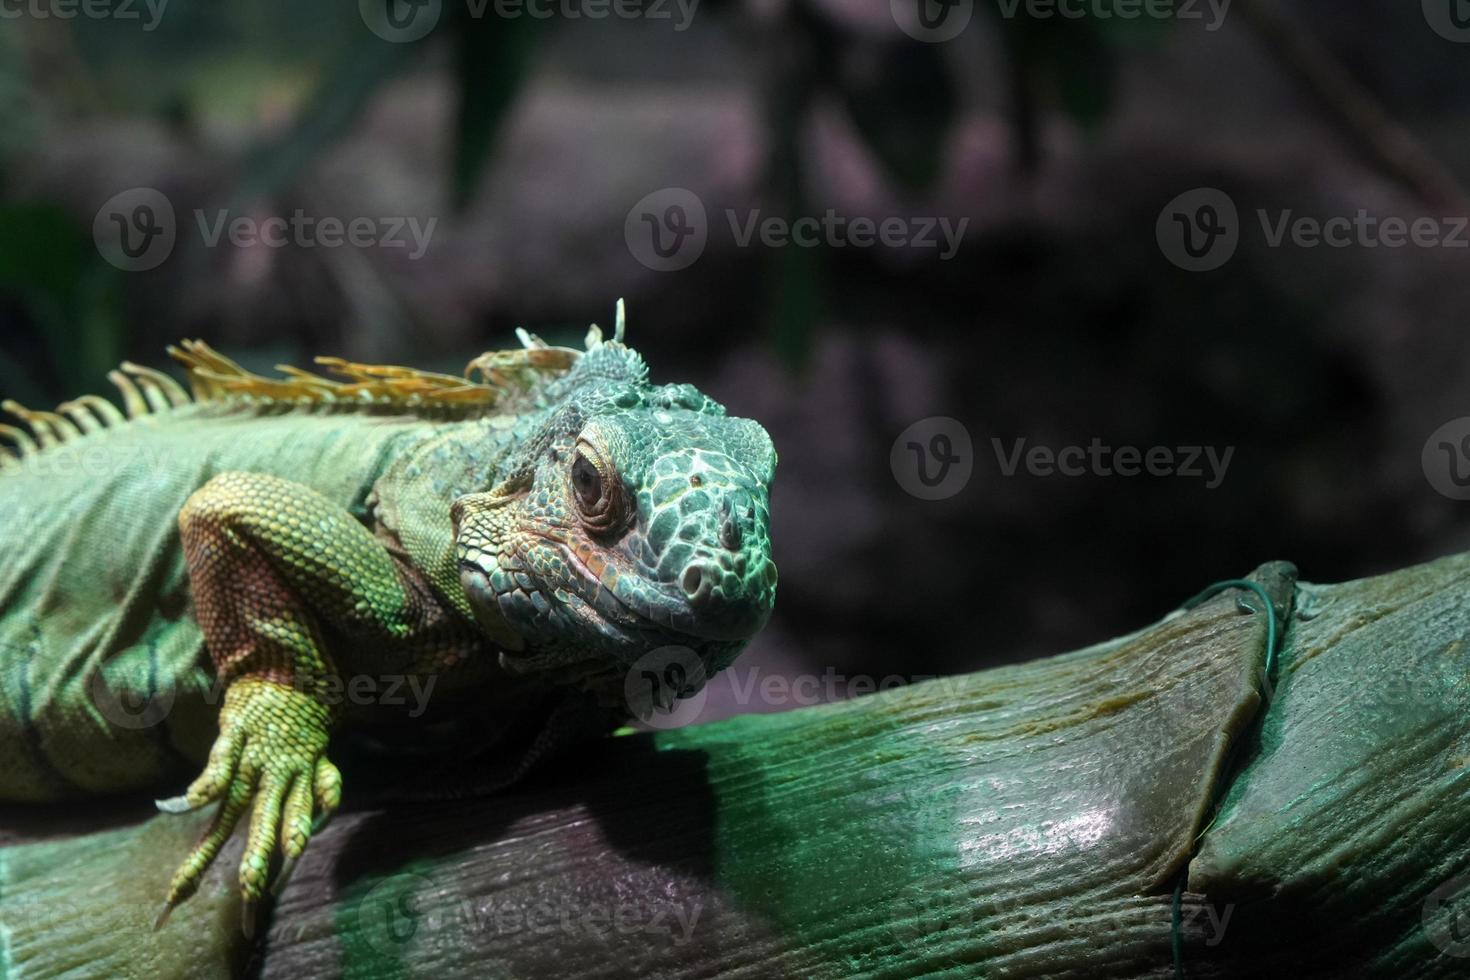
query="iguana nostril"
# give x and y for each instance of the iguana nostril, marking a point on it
(697, 581)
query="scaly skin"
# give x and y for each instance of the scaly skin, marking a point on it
(543, 529)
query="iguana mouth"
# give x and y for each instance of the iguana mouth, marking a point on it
(666, 613)
(601, 602)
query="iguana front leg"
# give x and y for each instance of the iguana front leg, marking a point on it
(271, 563)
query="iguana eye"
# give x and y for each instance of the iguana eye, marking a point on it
(595, 488)
(587, 481)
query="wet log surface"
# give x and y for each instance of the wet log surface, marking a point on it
(1027, 821)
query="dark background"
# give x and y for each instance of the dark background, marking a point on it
(1060, 319)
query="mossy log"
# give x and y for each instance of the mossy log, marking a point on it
(1027, 821)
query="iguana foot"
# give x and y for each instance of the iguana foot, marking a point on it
(270, 750)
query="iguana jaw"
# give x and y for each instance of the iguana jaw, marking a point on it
(487, 615)
(589, 611)
(603, 588)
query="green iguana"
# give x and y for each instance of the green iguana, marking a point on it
(528, 530)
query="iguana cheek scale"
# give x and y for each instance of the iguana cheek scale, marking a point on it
(539, 524)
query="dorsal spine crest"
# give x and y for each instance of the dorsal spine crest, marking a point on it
(495, 383)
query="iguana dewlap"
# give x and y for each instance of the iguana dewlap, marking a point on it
(545, 524)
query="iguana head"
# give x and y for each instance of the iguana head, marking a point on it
(630, 517)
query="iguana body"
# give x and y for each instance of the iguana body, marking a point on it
(95, 590)
(212, 576)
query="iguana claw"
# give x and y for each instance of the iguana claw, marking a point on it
(268, 762)
(175, 804)
(284, 875)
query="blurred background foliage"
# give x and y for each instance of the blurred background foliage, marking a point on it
(1059, 140)
(275, 86)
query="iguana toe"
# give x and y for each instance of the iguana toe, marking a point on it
(275, 770)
